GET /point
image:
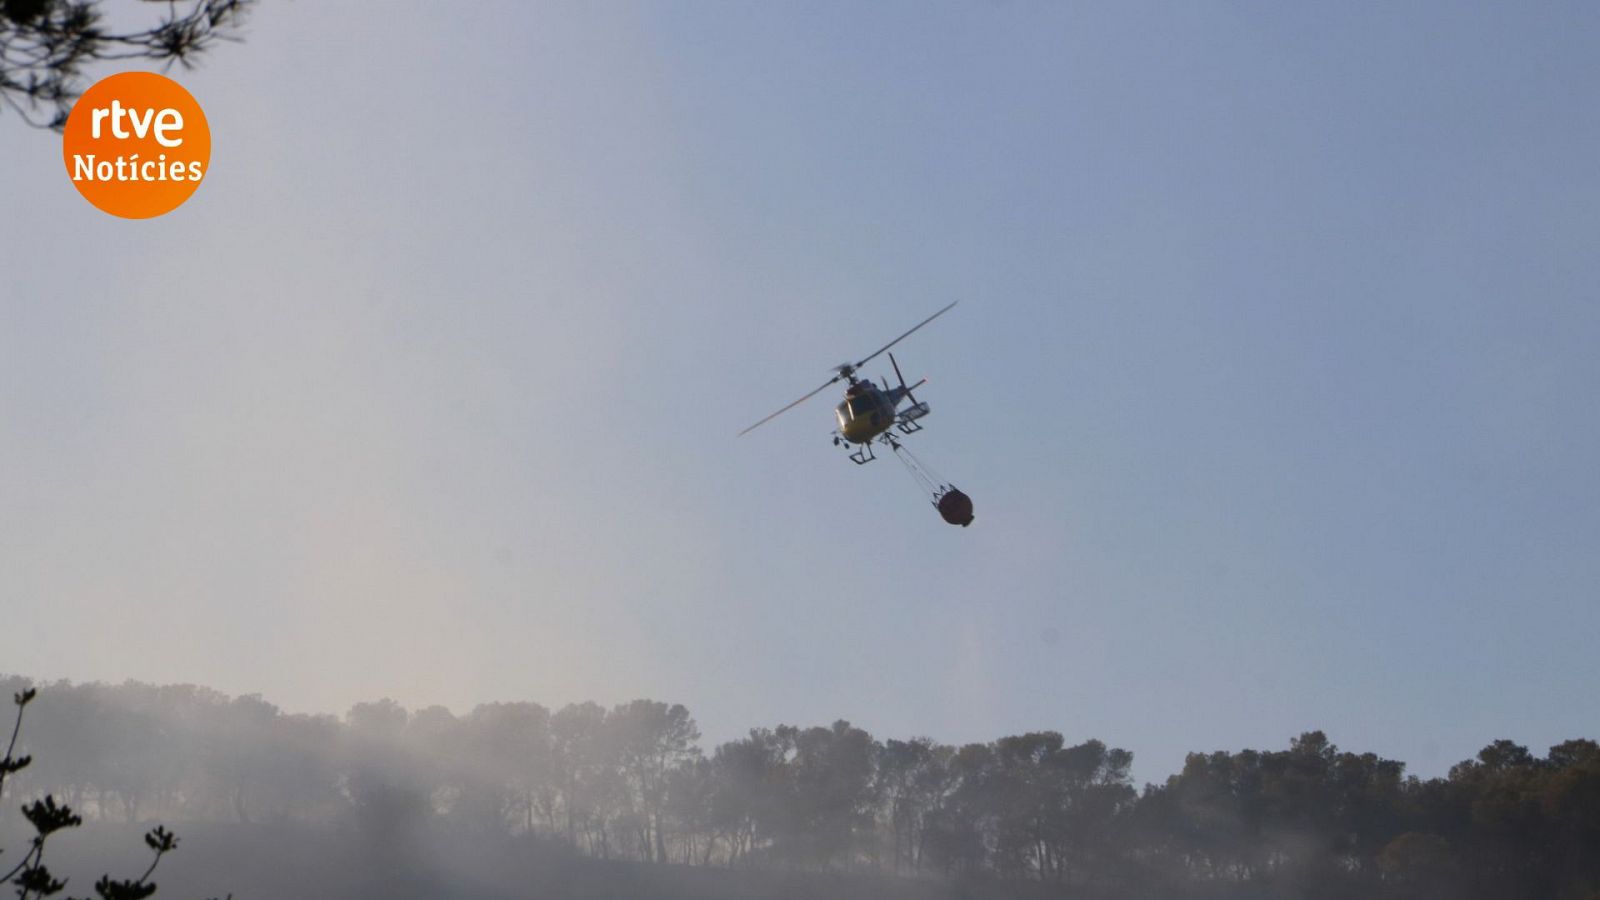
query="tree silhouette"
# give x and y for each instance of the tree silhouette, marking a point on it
(45, 45)
(30, 875)
(1029, 815)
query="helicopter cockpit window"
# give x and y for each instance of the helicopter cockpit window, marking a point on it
(861, 407)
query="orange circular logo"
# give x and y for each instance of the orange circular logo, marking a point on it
(136, 145)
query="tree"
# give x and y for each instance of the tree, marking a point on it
(829, 795)
(501, 764)
(956, 832)
(651, 739)
(46, 44)
(690, 793)
(912, 779)
(747, 793)
(30, 875)
(1571, 804)
(577, 758)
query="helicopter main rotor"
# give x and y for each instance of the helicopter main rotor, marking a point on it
(847, 371)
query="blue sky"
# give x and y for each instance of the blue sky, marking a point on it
(1272, 380)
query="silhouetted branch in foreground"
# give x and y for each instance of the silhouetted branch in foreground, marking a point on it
(45, 45)
(30, 875)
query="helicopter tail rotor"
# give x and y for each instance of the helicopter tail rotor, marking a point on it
(902, 378)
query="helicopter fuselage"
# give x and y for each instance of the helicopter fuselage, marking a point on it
(867, 411)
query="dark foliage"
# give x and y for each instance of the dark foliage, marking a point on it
(45, 46)
(30, 876)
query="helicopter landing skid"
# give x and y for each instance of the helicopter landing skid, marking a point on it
(861, 455)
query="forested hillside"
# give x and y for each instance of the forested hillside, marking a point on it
(580, 797)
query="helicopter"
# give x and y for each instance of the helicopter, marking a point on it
(868, 411)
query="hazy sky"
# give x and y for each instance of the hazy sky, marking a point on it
(1274, 377)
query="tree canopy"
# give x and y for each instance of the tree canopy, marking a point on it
(633, 783)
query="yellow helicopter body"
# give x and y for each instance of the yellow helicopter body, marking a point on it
(865, 413)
